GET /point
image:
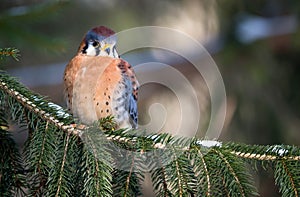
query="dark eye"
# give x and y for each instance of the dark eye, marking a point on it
(95, 43)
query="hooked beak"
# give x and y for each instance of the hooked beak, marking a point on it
(106, 48)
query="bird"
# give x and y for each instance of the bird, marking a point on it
(98, 83)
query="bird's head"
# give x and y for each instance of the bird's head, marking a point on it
(99, 41)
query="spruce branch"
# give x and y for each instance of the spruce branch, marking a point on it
(159, 177)
(264, 153)
(59, 183)
(36, 103)
(96, 164)
(129, 167)
(59, 151)
(64, 165)
(287, 177)
(9, 52)
(232, 172)
(38, 155)
(12, 176)
(200, 167)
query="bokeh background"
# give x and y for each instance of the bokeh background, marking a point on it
(256, 45)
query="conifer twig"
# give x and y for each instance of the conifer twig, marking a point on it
(34, 108)
(12, 52)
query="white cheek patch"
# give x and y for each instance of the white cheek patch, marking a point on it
(91, 51)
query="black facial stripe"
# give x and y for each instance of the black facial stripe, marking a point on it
(97, 51)
(85, 48)
(114, 50)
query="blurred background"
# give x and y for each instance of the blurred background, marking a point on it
(256, 45)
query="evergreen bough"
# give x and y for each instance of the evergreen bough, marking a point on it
(61, 158)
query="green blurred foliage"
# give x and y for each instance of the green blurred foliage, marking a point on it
(18, 26)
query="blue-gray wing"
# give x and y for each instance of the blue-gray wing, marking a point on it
(133, 111)
(131, 86)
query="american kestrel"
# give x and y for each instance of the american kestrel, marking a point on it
(98, 83)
